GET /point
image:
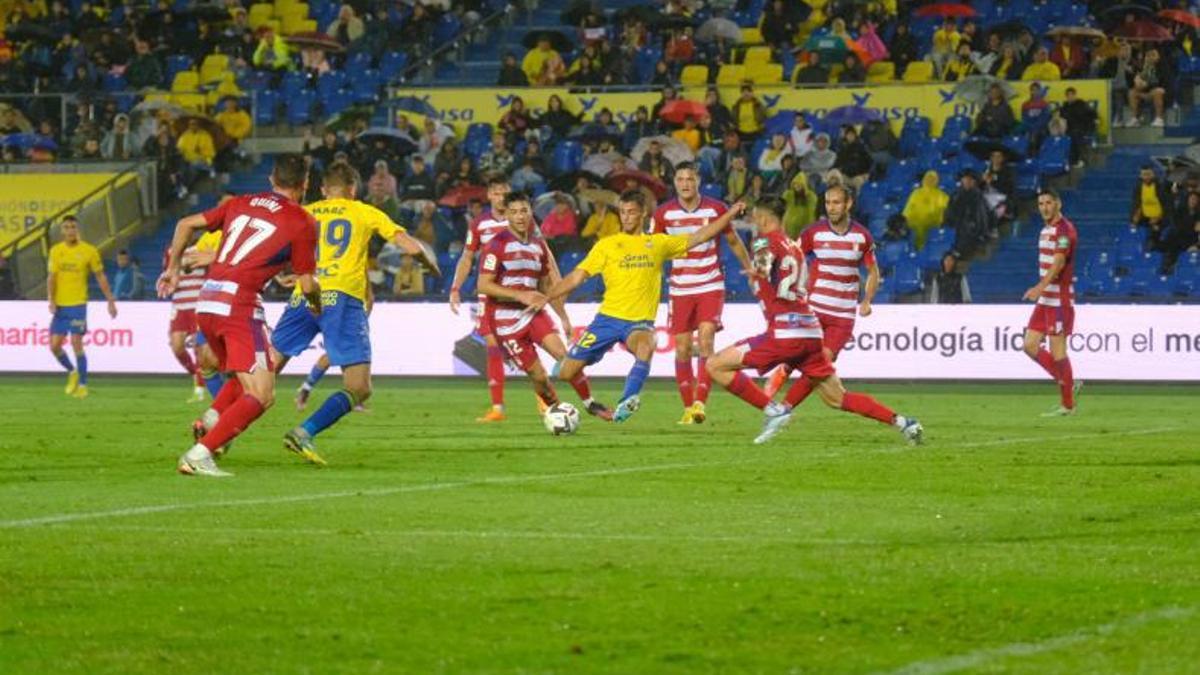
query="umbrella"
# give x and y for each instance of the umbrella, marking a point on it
(1013, 28)
(984, 147)
(1192, 152)
(832, 48)
(714, 28)
(567, 181)
(402, 143)
(671, 22)
(412, 104)
(1117, 13)
(155, 105)
(1181, 17)
(678, 110)
(601, 163)
(219, 137)
(575, 13)
(346, 119)
(558, 41)
(623, 180)
(1077, 32)
(673, 149)
(1143, 30)
(459, 197)
(599, 196)
(29, 31)
(946, 9)
(974, 89)
(852, 114)
(594, 131)
(546, 201)
(315, 40)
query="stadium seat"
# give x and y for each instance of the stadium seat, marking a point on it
(765, 73)
(335, 102)
(299, 107)
(694, 76)
(752, 36)
(259, 15)
(113, 82)
(892, 252)
(644, 61)
(186, 81)
(190, 102)
(1028, 180)
(213, 68)
(1054, 156)
(393, 64)
(937, 243)
(918, 72)
(712, 190)
(731, 75)
(1147, 282)
(266, 106)
(1186, 280)
(871, 197)
(881, 72)
(568, 157)
(914, 136)
(1018, 143)
(757, 55)
(366, 84)
(331, 81)
(292, 84)
(907, 276)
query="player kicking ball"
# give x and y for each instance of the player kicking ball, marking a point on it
(516, 266)
(346, 227)
(262, 233)
(631, 264)
(793, 338)
(1053, 316)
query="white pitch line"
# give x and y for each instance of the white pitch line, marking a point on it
(1067, 437)
(982, 657)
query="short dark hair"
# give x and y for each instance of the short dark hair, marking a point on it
(687, 166)
(773, 205)
(123, 251)
(1049, 192)
(341, 174)
(1071, 90)
(497, 178)
(634, 196)
(516, 196)
(70, 217)
(290, 171)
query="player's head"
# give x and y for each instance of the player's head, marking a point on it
(687, 181)
(70, 229)
(519, 211)
(838, 201)
(340, 181)
(1049, 204)
(632, 210)
(498, 188)
(290, 175)
(768, 214)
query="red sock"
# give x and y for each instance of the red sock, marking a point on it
(703, 381)
(1046, 361)
(185, 359)
(495, 374)
(233, 421)
(580, 383)
(230, 392)
(744, 388)
(862, 404)
(799, 391)
(686, 381)
(1066, 382)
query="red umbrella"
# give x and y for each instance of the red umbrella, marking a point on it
(1181, 16)
(315, 40)
(678, 110)
(621, 181)
(461, 196)
(1143, 31)
(946, 9)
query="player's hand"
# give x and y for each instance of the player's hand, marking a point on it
(167, 283)
(864, 308)
(193, 258)
(1032, 294)
(738, 208)
(455, 301)
(112, 309)
(532, 299)
(53, 308)
(568, 329)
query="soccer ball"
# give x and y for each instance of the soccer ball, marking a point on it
(561, 418)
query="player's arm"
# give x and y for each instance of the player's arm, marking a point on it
(52, 284)
(739, 251)
(553, 276)
(194, 257)
(183, 234)
(461, 272)
(102, 282)
(488, 286)
(714, 228)
(1051, 276)
(869, 288)
(311, 290)
(563, 288)
(419, 250)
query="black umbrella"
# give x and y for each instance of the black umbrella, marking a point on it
(1115, 14)
(984, 147)
(567, 181)
(594, 131)
(576, 12)
(29, 31)
(557, 40)
(397, 141)
(1011, 29)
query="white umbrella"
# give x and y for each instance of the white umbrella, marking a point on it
(673, 149)
(544, 204)
(714, 28)
(601, 163)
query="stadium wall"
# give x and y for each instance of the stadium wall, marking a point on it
(909, 342)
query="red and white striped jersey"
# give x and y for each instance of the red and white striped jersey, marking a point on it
(518, 265)
(188, 290)
(700, 270)
(780, 287)
(482, 229)
(1057, 238)
(834, 286)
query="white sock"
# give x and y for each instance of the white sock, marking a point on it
(900, 422)
(210, 418)
(587, 402)
(775, 409)
(198, 452)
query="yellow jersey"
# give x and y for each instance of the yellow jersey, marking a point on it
(632, 267)
(209, 241)
(346, 228)
(71, 264)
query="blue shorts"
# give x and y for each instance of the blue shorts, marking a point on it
(69, 320)
(602, 335)
(343, 323)
(200, 339)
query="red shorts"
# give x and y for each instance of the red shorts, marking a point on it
(1049, 320)
(520, 348)
(764, 353)
(183, 321)
(837, 331)
(240, 345)
(687, 312)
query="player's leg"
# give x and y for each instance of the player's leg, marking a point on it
(709, 308)
(554, 346)
(208, 366)
(314, 376)
(1034, 337)
(685, 377)
(640, 342)
(726, 369)
(81, 363)
(776, 379)
(1067, 385)
(60, 354)
(177, 340)
(831, 391)
(495, 372)
(836, 335)
(542, 386)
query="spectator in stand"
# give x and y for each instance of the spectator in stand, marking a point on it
(820, 161)
(925, 209)
(639, 126)
(1119, 69)
(779, 26)
(236, 124)
(897, 229)
(511, 74)
(800, 138)
(128, 283)
(801, 201)
(499, 159)
(1067, 54)
(1148, 85)
(749, 114)
(8, 289)
(1041, 69)
(995, 118)
(945, 44)
(602, 223)
(516, 121)
(689, 135)
(314, 63)
(853, 160)
(163, 150)
(417, 187)
(144, 70)
(347, 28)
(532, 171)
(272, 52)
(556, 118)
(118, 143)
(406, 127)
(382, 185)
(196, 146)
(961, 66)
(903, 49)
(968, 213)
(655, 163)
(1000, 187)
(543, 65)
(813, 71)
(1184, 235)
(1151, 204)
(436, 134)
(586, 73)
(881, 143)
(445, 162)
(680, 49)
(721, 120)
(737, 179)
(853, 71)
(1081, 123)
(667, 95)
(463, 176)
(731, 146)
(560, 227)
(770, 162)
(324, 152)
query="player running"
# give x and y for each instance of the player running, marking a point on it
(515, 266)
(793, 337)
(631, 264)
(697, 287)
(1054, 314)
(840, 246)
(262, 233)
(482, 229)
(183, 317)
(346, 227)
(70, 261)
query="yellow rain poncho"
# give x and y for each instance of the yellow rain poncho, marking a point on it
(926, 206)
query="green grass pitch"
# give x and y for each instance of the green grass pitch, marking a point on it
(1008, 543)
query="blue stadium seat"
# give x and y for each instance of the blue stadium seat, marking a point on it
(712, 190)
(1018, 143)
(1054, 156)
(1099, 263)
(892, 252)
(299, 107)
(336, 101)
(292, 84)
(954, 132)
(254, 80)
(643, 63)
(914, 136)
(937, 243)
(366, 84)
(447, 29)
(331, 82)
(1147, 282)
(113, 83)
(392, 64)
(568, 157)
(266, 107)
(1186, 280)
(907, 276)
(1028, 180)
(871, 198)
(177, 63)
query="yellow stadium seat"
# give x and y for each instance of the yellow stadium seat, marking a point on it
(694, 76)
(881, 71)
(918, 71)
(293, 24)
(752, 36)
(157, 97)
(186, 81)
(213, 67)
(731, 75)
(765, 73)
(757, 55)
(291, 9)
(835, 71)
(260, 14)
(193, 102)
(281, 6)
(227, 88)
